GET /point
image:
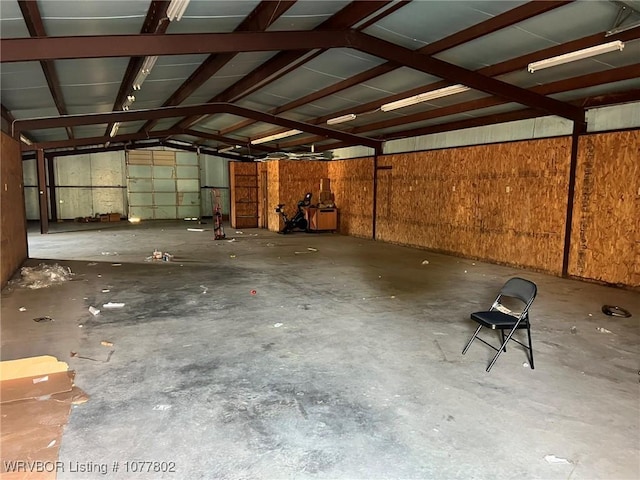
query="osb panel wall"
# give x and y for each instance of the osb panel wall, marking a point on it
(295, 179)
(263, 199)
(352, 185)
(504, 203)
(273, 194)
(13, 224)
(605, 242)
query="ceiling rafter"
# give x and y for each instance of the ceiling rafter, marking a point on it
(130, 137)
(82, 151)
(491, 25)
(168, 112)
(142, 45)
(281, 63)
(33, 20)
(155, 22)
(258, 20)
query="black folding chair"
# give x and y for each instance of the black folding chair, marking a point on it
(500, 318)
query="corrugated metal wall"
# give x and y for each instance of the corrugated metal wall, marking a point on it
(92, 184)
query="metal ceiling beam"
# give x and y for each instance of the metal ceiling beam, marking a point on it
(284, 61)
(82, 151)
(228, 140)
(258, 20)
(456, 74)
(208, 151)
(610, 99)
(106, 46)
(33, 20)
(191, 110)
(498, 22)
(129, 137)
(92, 141)
(155, 22)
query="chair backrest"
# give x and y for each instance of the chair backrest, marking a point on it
(521, 289)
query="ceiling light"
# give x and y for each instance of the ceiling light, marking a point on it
(114, 129)
(577, 55)
(131, 98)
(423, 97)
(24, 139)
(125, 107)
(225, 149)
(148, 64)
(275, 136)
(342, 119)
(145, 70)
(176, 9)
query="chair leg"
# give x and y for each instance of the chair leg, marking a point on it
(530, 347)
(504, 345)
(501, 349)
(471, 340)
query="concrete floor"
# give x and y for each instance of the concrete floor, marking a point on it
(345, 364)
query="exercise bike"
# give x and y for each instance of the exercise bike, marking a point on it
(298, 221)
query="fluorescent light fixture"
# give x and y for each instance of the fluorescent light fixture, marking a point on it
(226, 149)
(24, 139)
(125, 107)
(114, 129)
(176, 9)
(148, 64)
(145, 70)
(577, 55)
(275, 136)
(344, 118)
(423, 97)
(131, 98)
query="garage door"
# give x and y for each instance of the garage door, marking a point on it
(163, 185)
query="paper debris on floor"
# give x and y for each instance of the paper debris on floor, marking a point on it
(556, 460)
(36, 395)
(113, 305)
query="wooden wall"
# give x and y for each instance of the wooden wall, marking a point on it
(606, 218)
(352, 186)
(243, 183)
(288, 182)
(505, 203)
(13, 224)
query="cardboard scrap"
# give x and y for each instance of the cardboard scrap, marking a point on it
(31, 367)
(36, 395)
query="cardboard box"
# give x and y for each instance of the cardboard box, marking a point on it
(325, 185)
(104, 217)
(114, 217)
(325, 197)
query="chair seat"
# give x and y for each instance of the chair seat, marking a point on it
(497, 320)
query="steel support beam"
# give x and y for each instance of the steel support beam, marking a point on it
(142, 45)
(52, 187)
(42, 192)
(578, 129)
(206, 109)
